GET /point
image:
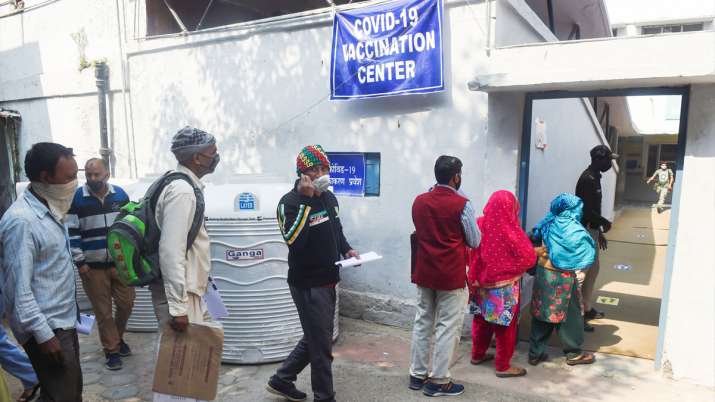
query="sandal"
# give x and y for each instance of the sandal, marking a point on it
(536, 360)
(593, 314)
(583, 358)
(512, 372)
(486, 358)
(28, 397)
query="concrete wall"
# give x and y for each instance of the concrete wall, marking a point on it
(688, 350)
(570, 134)
(40, 77)
(265, 95)
(653, 12)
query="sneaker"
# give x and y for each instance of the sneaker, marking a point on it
(124, 349)
(114, 361)
(448, 389)
(416, 383)
(285, 389)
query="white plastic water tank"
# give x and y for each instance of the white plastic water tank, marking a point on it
(249, 264)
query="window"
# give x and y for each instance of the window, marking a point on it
(355, 174)
(372, 174)
(658, 29)
(174, 16)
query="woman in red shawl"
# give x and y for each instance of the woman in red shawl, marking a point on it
(503, 256)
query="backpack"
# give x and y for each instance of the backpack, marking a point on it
(133, 238)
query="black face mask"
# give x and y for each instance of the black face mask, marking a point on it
(95, 186)
(603, 165)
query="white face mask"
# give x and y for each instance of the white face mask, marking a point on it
(322, 183)
(58, 196)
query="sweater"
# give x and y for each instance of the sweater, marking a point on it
(312, 230)
(441, 250)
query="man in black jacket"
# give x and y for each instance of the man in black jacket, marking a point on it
(308, 219)
(588, 189)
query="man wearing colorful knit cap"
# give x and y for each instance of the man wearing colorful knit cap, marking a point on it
(308, 220)
(310, 156)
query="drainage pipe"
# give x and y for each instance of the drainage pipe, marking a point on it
(101, 73)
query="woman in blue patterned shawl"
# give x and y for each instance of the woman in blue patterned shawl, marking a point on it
(555, 303)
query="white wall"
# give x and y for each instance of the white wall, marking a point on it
(654, 11)
(570, 136)
(40, 77)
(689, 306)
(265, 96)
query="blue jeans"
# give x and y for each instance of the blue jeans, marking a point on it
(15, 361)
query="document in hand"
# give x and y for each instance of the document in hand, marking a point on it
(352, 262)
(188, 363)
(85, 324)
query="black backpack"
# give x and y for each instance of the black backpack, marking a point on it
(133, 238)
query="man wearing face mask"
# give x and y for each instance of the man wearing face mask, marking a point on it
(445, 226)
(588, 189)
(178, 295)
(38, 272)
(664, 179)
(94, 209)
(308, 219)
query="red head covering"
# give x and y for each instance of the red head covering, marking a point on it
(505, 252)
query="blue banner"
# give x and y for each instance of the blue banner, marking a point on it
(347, 173)
(387, 49)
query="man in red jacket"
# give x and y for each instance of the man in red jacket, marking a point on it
(444, 227)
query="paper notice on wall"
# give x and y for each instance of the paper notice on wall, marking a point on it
(540, 133)
(188, 363)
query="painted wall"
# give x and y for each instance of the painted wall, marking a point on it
(654, 11)
(40, 77)
(688, 347)
(266, 95)
(570, 135)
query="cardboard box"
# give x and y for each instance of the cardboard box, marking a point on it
(188, 363)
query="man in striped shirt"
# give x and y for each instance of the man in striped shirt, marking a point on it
(94, 209)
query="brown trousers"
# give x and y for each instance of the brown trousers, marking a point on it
(63, 382)
(102, 286)
(587, 279)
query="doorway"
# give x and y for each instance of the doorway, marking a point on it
(647, 128)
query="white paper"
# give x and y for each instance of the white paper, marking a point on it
(173, 398)
(214, 303)
(352, 262)
(85, 324)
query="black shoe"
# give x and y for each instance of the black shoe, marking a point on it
(588, 328)
(124, 349)
(114, 362)
(416, 383)
(536, 360)
(287, 390)
(593, 314)
(449, 389)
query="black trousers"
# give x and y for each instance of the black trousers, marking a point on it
(316, 309)
(58, 383)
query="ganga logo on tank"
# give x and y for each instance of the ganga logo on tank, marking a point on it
(246, 202)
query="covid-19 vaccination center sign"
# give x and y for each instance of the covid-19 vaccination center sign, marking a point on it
(387, 49)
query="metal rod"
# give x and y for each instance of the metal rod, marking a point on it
(176, 17)
(206, 12)
(550, 8)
